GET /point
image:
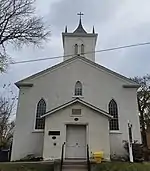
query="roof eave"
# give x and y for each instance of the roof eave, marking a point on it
(131, 86)
(18, 84)
(80, 34)
(74, 101)
(129, 81)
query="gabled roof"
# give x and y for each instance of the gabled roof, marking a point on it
(100, 67)
(74, 101)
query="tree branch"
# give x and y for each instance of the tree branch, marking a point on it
(20, 26)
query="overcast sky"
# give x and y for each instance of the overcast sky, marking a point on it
(117, 22)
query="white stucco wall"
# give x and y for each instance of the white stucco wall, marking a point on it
(97, 132)
(89, 46)
(57, 88)
(26, 140)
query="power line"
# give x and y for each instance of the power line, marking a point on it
(41, 59)
(98, 51)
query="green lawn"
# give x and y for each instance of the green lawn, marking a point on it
(109, 166)
(122, 166)
(26, 167)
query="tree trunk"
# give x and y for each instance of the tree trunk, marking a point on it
(144, 138)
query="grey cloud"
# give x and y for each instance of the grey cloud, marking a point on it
(117, 23)
(64, 12)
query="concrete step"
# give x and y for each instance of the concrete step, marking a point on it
(74, 168)
(74, 162)
(74, 165)
(71, 165)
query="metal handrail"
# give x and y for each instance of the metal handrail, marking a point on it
(88, 159)
(62, 156)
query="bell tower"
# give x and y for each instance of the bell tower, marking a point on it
(79, 42)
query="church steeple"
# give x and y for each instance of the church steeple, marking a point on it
(80, 28)
(79, 42)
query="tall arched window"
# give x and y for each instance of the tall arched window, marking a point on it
(82, 49)
(78, 89)
(41, 109)
(76, 49)
(113, 110)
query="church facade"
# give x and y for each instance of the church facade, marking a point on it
(76, 103)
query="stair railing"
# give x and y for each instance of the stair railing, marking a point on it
(62, 156)
(88, 159)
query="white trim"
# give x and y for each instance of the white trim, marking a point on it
(92, 107)
(115, 132)
(76, 123)
(82, 97)
(109, 72)
(81, 58)
(76, 116)
(80, 101)
(86, 133)
(35, 112)
(38, 131)
(118, 108)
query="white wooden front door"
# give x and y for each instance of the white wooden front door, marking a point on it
(76, 141)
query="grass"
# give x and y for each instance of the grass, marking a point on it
(108, 166)
(26, 167)
(121, 166)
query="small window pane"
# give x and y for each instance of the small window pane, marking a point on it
(114, 124)
(82, 49)
(76, 49)
(40, 123)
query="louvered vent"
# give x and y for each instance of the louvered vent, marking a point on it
(76, 112)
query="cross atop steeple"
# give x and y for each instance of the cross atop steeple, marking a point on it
(80, 14)
(80, 28)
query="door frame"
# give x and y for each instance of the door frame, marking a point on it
(86, 133)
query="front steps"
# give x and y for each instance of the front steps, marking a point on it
(71, 165)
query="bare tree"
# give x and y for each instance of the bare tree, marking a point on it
(7, 110)
(143, 99)
(19, 26)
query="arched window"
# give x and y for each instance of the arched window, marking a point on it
(78, 89)
(113, 110)
(76, 49)
(41, 109)
(82, 49)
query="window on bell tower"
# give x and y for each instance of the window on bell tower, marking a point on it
(76, 49)
(82, 49)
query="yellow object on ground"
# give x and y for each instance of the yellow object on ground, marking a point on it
(98, 156)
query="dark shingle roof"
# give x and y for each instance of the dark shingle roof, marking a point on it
(80, 28)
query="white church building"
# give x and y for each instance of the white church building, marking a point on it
(77, 103)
